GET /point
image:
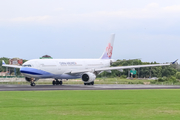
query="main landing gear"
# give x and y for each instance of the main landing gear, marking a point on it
(33, 84)
(57, 82)
(91, 83)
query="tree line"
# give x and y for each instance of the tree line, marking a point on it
(160, 71)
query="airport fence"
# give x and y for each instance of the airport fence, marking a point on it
(11, 76)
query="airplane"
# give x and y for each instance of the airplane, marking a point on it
(86, 69)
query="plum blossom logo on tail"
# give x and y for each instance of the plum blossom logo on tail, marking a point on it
(109, 49)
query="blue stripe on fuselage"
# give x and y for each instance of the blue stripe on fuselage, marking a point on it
(33, 71)
(27, 72)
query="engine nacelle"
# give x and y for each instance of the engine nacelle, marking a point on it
(30, 79)
(88, 77)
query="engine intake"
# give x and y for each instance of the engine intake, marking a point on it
(88, 77)
(85, 77)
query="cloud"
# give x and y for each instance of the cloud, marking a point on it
(174, 8)
(153, 5)
(59, 9)
(150, 11)
(64, 16)
(31, 19)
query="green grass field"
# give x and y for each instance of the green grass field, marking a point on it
(91, 105)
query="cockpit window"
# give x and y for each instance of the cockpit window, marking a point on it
(26, 65)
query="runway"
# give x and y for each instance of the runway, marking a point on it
(82, 87)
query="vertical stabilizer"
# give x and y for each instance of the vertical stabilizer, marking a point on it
(109, 49)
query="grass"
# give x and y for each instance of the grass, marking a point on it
(90, 105)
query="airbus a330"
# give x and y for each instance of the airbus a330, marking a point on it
(58, 69)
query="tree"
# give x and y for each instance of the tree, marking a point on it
(160, 71)
(178, 75)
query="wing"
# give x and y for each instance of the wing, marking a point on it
(129, 67)
(114, 68)
(117, 68)
(12, 66)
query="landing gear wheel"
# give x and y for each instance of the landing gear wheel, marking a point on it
(60, 82)
(92, 83)
(33, 84)
(57, 82)
(85, 84)
(54, 82)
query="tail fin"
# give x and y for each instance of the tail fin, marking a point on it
(109, 49)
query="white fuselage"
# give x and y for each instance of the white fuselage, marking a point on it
(59, 68)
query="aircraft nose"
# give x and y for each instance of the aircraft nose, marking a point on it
(20, 69)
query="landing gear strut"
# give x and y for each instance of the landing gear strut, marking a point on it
(91, 83)
(57, 82)
(32, 83)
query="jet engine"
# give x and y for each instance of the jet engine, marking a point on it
(88, 77)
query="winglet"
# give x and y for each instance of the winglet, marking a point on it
(3, 63)
(174, 62)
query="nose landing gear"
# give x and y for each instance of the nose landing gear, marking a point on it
(57, 82)
(32, 82)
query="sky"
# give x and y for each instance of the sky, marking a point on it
(146, 29)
